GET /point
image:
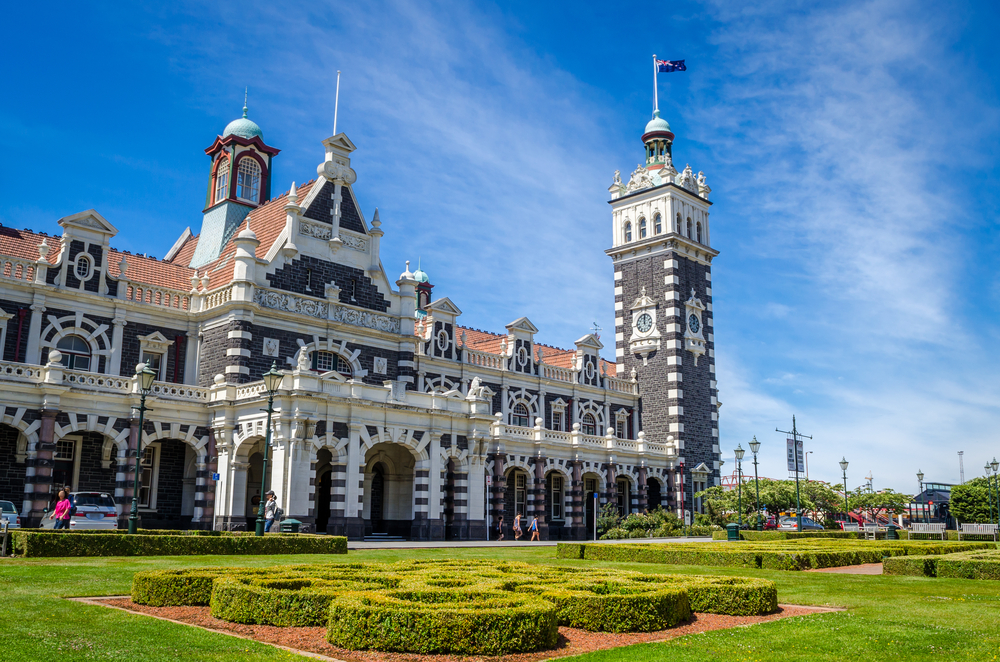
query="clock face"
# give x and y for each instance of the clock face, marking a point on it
(693, 324)
(644, 323)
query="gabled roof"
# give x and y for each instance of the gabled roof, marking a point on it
(444, 305)
(89, 220)
(522, 324)
(484, 341)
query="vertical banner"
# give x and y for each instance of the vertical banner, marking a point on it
(795, 456)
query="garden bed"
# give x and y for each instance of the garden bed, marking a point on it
(983, 564)
(571, 641)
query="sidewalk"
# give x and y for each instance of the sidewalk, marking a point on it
(435, 544)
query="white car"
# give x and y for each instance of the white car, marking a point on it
(94, 510)
(8, 513)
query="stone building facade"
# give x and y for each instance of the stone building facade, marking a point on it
(392, 417)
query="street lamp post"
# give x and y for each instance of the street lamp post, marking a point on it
(754, 447)
(144, 377)
(843, 467)
(272, 379)
(923, 506)
(996, 481)
(739, 482)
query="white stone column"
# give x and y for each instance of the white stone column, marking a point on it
(299, 473)
(117, 337)
(33, 352)
(355, 473)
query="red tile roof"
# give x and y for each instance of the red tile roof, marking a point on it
(183, 255)
(485, 341)
(24, 244)
(150, 271)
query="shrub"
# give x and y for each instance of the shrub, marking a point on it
(36, 543)
(982, 564)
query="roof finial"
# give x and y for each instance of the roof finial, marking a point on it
(246, 92)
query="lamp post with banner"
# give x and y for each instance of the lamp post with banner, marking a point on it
(843, 467)
(754, 447)
(923, 506)
(796, 460)
(144, 378)
(739, 483)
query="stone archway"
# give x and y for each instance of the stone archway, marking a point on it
(324, 488)
(389, 489)
(654, 494)
(12, 471)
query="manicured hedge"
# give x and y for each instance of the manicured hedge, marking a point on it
(983, 564)
(758, 536)
(779, 555)
(58, 543)
(467, 607)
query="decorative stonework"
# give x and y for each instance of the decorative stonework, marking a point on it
(355, 243)
(325, 232)
(365, 318)
(291, 303)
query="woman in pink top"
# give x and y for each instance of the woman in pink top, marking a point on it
(61, 512)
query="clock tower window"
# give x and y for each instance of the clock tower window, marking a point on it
(222, 180)
(698, 230)
(248, 181)
(689, 234)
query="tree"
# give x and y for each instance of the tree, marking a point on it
(776, 496)
(877, 504)
(970, 502)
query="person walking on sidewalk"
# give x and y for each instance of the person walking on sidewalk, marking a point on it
(500, 529)
(534, 529)
(270, 511)
(61, 513)
(517, 527)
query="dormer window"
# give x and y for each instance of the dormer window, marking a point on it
(84, 267)
(248, 180)
(222, 180)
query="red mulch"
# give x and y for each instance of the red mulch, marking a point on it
(571, 640)
(863, 569)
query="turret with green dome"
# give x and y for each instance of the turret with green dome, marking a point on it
(659, 142)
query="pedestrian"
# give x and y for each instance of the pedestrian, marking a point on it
(517, 527)
(270, 510)
(534, 529)
(61, 513)
(500, 529)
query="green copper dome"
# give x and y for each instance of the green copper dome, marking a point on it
(420, 276)
(243, 128)
(656, 124)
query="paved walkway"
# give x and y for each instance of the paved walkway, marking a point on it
(427, 544)
(863, 569)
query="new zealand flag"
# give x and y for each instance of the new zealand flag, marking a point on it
(667, 66)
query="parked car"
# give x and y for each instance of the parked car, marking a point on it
(771, 523)
(94, 510)
(8, 513)
(790, 524)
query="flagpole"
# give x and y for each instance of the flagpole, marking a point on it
(656, 97)
(336, 104)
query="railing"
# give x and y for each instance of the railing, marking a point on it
(484, 359)
(17, 269)
(251, 390)
(558, 374)
(518, 431)
(21, 372)
(626, 444)
(157, 296)
(218, 297)
(556, 436)
(619, 385)
(593, 440)
(96, 381)
(179, 392)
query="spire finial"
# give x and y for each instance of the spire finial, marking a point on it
(246, 93)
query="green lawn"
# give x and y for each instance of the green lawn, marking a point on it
(890, 618)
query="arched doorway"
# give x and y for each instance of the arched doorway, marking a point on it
(516, 497)
(448, 512)
(653, 494)
(388, 490)
(324, 489)
(624, 486)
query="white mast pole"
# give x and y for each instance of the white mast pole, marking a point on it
(336, 104)
(656, 96)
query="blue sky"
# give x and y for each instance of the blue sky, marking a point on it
(850, 148)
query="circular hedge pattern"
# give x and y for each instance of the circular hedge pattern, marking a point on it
(466, 607)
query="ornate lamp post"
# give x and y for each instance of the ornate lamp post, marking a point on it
(920, 479)
(843, 467)
(996, 465)
(739, 482)
(144, 378)
(272, 379)
(754, 447)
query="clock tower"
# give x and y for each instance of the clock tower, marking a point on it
(662, 255)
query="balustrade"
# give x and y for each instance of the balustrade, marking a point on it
(156, 296)
(17, 269)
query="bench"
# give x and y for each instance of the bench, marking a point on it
(871, 530)
(932, 528)
(978, 530)
(852, 527)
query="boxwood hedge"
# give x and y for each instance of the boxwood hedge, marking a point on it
(800, 554)
(983, 564)
(469, 607)
(37, 543)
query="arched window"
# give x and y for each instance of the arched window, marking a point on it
(689, 234)
(520, 415)
(642, 228)
(628, 232)
(657, 224)
(698, 229)
(248, 182)
(75, 352)
(680, 230)
(222, 180)
(328, 361)
(589, 424)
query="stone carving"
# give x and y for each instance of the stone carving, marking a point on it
(686, 179)
(381, 365)
(291, 303)
(703, 188)
(640, 180)
(355, 243)
(315, 230)
(365, 318)
(305, 361)
(271, 347)
(618, 178)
